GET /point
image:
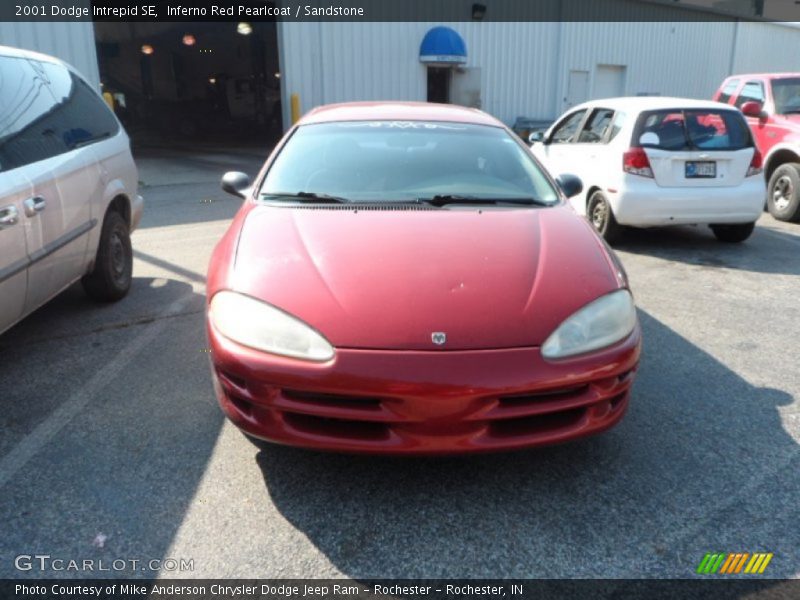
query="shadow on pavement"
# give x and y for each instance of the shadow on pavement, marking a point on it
(701, 463)
(122, 457)
(182, 185)
(766, 251)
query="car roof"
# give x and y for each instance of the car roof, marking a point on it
(762, 75)
(643, 103)
(397, 111)
(19, 53)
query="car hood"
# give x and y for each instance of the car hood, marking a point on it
(389, 279)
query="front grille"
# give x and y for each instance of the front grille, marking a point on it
(547, 423)
(333, 400)
(337, 428)
(543, 396)
(242, 405)
(234, 379)
(486, 420)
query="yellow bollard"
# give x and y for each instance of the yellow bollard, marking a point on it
(109, 98)
(295, 101)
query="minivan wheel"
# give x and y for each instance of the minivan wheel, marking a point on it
(783, 193)
(113, 268)
(733, 233)
(602, 218)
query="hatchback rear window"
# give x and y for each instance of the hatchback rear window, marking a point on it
(676, 129)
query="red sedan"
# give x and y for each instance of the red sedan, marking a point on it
(405, 278)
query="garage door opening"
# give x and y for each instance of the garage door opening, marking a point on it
(170, 83)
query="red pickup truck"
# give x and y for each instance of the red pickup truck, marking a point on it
(771, 104)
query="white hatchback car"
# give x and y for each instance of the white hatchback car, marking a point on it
(68, 187)
(653, 161)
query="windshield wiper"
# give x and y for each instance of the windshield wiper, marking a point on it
(445, 199)
(307, 196)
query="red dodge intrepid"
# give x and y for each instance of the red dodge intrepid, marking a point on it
(405, 278)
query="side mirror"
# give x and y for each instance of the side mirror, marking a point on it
(754, 109)
(536, 136)
(570, 184)
(235, 183)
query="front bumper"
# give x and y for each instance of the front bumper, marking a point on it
(437, 402)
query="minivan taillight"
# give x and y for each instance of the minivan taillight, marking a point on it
(756, 165)
(635, 161)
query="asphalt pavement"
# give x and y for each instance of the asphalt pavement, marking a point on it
(112, 446)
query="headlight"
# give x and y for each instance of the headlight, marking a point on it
(258, 325)
(597, 325)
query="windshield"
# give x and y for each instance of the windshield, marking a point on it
(786, 95)
(676, 129)
(406, 161)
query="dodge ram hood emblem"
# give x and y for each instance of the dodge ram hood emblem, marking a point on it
(439, 338)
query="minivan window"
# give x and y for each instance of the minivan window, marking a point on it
(82, 116)
(378, 161)
(700, 129)
(25, 102)
(786, 95)
(46, 110)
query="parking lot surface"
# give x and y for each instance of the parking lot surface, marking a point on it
(112, 446)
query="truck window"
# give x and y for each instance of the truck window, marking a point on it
(753, 91)
(786, 94)
(728, 90)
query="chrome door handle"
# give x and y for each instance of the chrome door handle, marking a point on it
(9, 215)
(34, 205)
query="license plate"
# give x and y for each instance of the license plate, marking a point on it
(701, 169)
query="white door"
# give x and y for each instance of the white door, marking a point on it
(592, 158)
(557, 150)
(609, 81)
(13, 253)
(577, 88)
(465, 87)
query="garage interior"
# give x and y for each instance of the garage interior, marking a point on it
(170, 83)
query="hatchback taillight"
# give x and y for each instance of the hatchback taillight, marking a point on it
(635, 161)
(756, 165)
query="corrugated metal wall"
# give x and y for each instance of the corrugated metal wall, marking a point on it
(338, 62)
(71, 42)
(767, 47)
(525, 66)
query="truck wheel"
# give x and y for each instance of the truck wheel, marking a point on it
(783, 193)
(733, 233)
(602, 218)
(113, 267)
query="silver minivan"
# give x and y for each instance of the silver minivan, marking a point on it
(68, 187)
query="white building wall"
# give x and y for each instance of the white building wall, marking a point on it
(670, 59)
(339, 62)
(71, 42)
(525, 65)
(767, 47)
